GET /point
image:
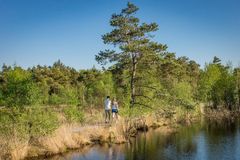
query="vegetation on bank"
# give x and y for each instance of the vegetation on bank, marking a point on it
(143, 76)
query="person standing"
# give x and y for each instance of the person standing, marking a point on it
(107, 109)
(115, 108)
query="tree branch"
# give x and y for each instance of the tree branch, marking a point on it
(142, 105)
(143, 96)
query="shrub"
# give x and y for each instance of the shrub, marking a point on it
(41, 121)
(19, 89)
(13, 123)
(183, 93)
(74, 114)
(65, 95)
(23, 123)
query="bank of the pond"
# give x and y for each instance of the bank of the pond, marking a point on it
(203, 140)
(221, 114)
(73, 136)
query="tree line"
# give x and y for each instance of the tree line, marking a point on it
(172, 81)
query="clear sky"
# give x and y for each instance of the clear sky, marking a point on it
(36, 32)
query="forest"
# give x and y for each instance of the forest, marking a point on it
(140, 73)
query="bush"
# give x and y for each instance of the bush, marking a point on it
(74, 114)
(66, 95)
(23, 123)
(1, 98)
(13, 123)
(98, 88)
(41, 121)
(135, 111)
(183, 93)
(19, 89)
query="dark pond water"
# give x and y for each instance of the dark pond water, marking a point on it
(203, 141)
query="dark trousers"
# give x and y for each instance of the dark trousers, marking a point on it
(107, 115)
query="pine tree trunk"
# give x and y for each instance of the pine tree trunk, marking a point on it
(133, 75)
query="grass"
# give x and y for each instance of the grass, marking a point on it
(35, 131)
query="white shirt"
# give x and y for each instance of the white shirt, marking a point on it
(107, 104)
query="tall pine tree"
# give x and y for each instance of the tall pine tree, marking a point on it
(134, 43)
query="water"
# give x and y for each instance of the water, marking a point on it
(203, 141)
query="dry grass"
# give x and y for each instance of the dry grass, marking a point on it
(19, 151)
(221, 114)
(72, 136)
(60, 141)
(12, 148)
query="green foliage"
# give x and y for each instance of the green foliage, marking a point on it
(97, 86)
(27, 122)
(41, 121)
(1, 97)
(183, 93)
(135, 47)
(209, 77)
(223, 91)
(67, 95)
(13, 123)
(74, 114)
(218, 85)
(134, 112)
(236, 75)
(18, 88)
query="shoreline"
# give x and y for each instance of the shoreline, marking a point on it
(116, 133)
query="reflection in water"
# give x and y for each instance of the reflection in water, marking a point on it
(205, 141)
(98, 152)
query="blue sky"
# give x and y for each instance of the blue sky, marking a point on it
(36, 32)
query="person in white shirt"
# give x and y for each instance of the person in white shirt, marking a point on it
(115, 108)
(107, 104)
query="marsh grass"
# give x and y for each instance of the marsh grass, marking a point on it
(35, 131)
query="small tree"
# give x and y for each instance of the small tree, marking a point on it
(210, 75)
(237, 84)
(18, 88)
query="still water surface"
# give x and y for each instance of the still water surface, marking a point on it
(203, 141)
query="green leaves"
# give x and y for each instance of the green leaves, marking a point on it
(74, 114)
(218, 85)
(65, 95)
(26, 122)
(19, 89)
